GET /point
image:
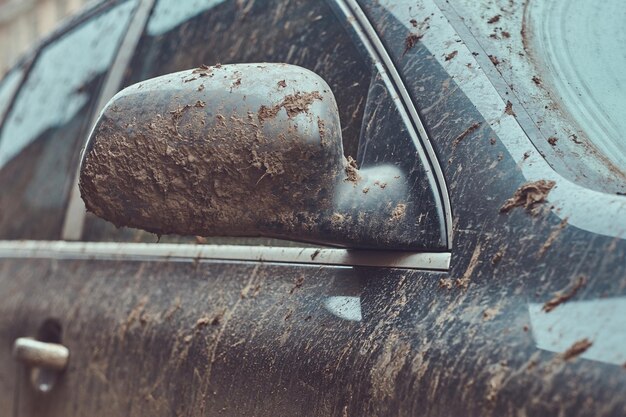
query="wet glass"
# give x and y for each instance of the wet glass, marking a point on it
(43, 131)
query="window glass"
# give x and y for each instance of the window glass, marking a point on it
(297, 32)
(184, 35)
(42, 134)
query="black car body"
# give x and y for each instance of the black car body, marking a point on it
(513, 303)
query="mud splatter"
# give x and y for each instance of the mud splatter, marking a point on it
(321, 127)
(464, 134)
(398, 212)
(293, 104)
(451, 55)
(553, 236)
(217, 319)
(509, 108)
(204, 71)
(565, 295)
(297, 284)
(490, 313)
(529, 196)
(269, 162)
(577, 349)
(464, 281)
(352, 171)
(497, 257)
(410, 42)
(202, 322)
(446, 283)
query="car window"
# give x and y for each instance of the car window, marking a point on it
(184, 35)
(43, 130)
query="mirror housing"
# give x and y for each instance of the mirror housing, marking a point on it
(239, 150)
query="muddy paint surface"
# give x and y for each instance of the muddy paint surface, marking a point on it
(529, 42)
(523, 261)
(209, 339)
(203, 339)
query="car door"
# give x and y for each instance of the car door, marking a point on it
(181, 328)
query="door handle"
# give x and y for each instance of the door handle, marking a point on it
(31, 352)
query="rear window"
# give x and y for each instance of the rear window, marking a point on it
(45, 126)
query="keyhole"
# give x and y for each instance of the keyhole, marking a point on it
(42, 379)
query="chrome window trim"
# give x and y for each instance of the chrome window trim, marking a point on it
(40, 249)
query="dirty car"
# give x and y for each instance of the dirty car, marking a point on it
(314, 208)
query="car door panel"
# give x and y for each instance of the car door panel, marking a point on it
(204, 338)
(198, 337)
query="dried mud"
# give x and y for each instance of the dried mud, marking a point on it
(577, 349)
(529, 196)
(410, 41)
(464, 134)
(293, 104)
(565, 295)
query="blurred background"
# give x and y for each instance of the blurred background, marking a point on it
(24, 22)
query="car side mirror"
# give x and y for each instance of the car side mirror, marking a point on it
(239, 150)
